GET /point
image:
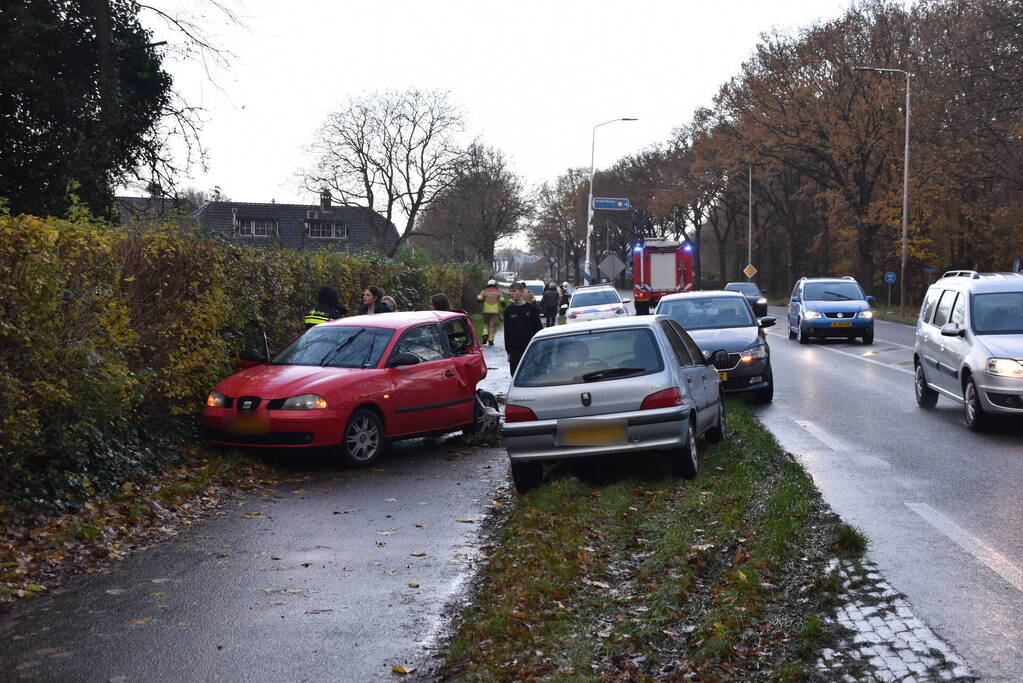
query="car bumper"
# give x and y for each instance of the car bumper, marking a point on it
(273, 428)
(659, 429)
(826, 327)
(748, 376)
(1000, 394)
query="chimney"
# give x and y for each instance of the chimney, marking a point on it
(325, 200)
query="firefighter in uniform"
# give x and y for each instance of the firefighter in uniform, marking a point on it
(493, 303)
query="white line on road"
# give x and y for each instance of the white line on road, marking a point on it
(996, 561)
(855, 355)
(822, 436)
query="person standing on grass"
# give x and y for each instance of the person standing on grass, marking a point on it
(521, 322)
(549, 303)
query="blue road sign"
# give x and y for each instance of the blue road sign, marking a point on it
(930, 270)
(889, 277)
(611, 203)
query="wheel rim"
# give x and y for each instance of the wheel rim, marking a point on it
(485, 422)
(692, 448)
(722, 418)
(919, 382)
(363, 439)
(971, 408)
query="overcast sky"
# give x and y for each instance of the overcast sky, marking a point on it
(533, 77)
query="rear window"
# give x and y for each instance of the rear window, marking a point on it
(537, 290)
(709, 313)
(997, 313)
(337, 347)
(592, 357)
(596, 297)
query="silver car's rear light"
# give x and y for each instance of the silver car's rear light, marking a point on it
(514, 413)
(669, 398)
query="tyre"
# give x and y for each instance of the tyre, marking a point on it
(719, 431)
(765, 395)
(527, 475)
(642, 308)
(868, 338)
(973, 412)
(484, 422)
(925, 396)
(685, 461)
(363, 440)
(804, 335)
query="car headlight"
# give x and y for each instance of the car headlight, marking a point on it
(811, 315)
(1004, 367)
(215, 400)
(761, 300)
(756, 352)
(867, 314)
(305, 402)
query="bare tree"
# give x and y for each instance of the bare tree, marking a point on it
(388, 153)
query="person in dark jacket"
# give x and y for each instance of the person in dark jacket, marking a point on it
(440, 302)
(328, 307)
(549, 304)
(371, 301)
(521, 322)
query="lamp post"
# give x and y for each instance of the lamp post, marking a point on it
(589, 204)
(905, 182)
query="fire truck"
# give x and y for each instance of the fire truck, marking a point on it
(659, 268)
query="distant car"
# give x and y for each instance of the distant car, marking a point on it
(754, 295)
(594, 302)
(724, 320)
(535, 287)
(356, 383)
(830, 307)
(611, 387)
(969, 342)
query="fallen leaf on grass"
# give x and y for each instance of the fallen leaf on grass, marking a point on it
(403, 670)
(420, 526)
(143, 620)
(159, 580)
(413, 585)
(390, 500)
(418, 554)
(386, 532)
(299, 491)
(276, 602)
(466, 521)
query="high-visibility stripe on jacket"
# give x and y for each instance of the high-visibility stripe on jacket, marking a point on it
(492, 300)
(315, 317)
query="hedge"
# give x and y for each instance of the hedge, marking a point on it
(111, 338)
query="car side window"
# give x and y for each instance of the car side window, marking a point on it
(694, 348)
(681, 352)
(944, 307)
(458, 335)
(424, 341)
(795, 290)
(930, 302)
(959, 311)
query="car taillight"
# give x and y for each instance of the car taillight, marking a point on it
(669, 398)
(518, 414)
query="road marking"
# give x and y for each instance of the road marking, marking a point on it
(816, 432)
(855, 355)
(996, 561)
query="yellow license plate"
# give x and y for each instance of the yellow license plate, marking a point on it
(723, 375)
(590, 433)
(250, 425)
(841, 324)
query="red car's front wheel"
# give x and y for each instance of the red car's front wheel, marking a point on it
(363, 440)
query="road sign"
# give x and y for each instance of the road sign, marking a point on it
(611, 203)
(889, 277)
(930, 270)
(750, 271)
(611, 266)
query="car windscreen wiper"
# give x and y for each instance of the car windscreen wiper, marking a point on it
(847, 298)
(339, 348)
(611, 372)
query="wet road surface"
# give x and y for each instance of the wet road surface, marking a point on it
(334, 575)
(940, 504)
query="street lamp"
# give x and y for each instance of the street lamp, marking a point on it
(589, 204)
(905, 182)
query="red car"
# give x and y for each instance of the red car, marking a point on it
(357, 383)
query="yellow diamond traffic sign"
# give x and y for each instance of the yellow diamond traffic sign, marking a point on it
(749, 271)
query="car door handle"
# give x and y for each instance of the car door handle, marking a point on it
(449, 373)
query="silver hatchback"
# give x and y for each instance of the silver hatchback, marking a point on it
(969, 344)
(612, 387)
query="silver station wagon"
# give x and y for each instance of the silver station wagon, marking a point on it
(617, 386)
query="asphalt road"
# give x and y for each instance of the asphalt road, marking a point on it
(940, 505)
(336, 575)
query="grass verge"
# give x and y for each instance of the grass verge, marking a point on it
(892, 315)
(630, 574)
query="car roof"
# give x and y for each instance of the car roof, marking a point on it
(702, 293)
(397, 320)
(634, 322)
(981, 282)
(589, 287)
